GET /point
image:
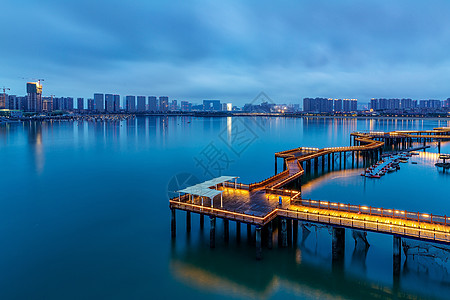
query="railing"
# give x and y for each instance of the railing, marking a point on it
(221, 213)
(390, 227)
(280, 192)
(361, 222)
(239, 185)
(375, 211)
(268, 180)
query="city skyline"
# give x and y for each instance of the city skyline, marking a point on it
(231, 51)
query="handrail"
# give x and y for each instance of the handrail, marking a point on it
(377, 211)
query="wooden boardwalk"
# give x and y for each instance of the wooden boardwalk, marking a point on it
(258, 204)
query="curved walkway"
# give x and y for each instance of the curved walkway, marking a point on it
(366, 140)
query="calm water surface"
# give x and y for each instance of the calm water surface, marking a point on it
(84, 212)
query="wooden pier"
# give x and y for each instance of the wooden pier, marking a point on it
(259, 204)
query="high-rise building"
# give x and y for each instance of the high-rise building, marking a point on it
(337, 105)
(68, 103)
(152, 104)
(4, 101)
(406, 103)
(317, 105)
(80, 103)
(186, 106)
(109, 102)
(34, 96)
(141, 103)
(174, 105)
(163, 103)
(349, 105)
(11, 102)
(130, 103)
(447, 102)
(116, 103)
(99, 102)
(90, 104)
(47, 104)
(211, 105)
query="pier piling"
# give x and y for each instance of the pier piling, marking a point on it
(173, 223)
(283, 233)
(226, 230)
(269, 235)
(238, 231)
(212, 232)
(338, 244)
(258, 243)
(397, 255)
(188, 221)
(202, 221)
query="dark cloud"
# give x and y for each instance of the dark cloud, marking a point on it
(229, 50)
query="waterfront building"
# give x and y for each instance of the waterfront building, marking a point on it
(80, 103)
(90, 104)
(109, 103)
(152, 103)
(349, 105)
(141, 103)
(211, 105)
(163, 103)
(338, 105)
(12, 102)
(174, 105)
(116, 103)
(130, 103)
(318, 105)
(447, 102)
(68, 103)
(99, 102)
(47, 104)
(186, 106)
(34, 96)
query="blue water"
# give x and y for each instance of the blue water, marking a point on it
(84, 211)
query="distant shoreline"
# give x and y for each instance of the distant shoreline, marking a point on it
(121, 116)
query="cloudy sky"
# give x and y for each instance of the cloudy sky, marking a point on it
(228, 50)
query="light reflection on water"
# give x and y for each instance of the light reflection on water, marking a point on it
(84, 206)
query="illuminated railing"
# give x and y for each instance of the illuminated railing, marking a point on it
(375, 211)
(221, 213)
(365, 224)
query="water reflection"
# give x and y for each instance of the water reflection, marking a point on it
(34, 130)
(282, 271)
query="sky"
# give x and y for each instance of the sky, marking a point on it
(228, 50)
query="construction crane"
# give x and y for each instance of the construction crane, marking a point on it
(3, 103)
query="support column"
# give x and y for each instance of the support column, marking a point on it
(329, 161)
(258, 243)
(332, 164)
(289, 231)
(226, 230)
(202, 221)
(188, 221)
(397, 255)
(276, 167)
(295, 232)
(345, 160)
(283, 233)
(173, 223)
(323, 163)
(238, 231)
(249, 233)
(269, 235)
(212, 232)
(338, 245)
(353, 159)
